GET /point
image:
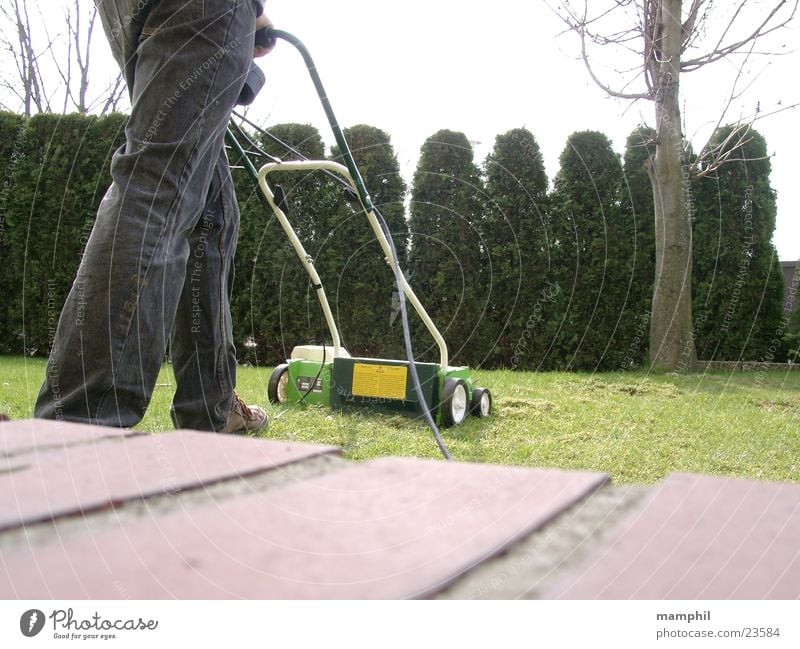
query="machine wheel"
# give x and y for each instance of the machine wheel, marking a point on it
(278, 380)
(481, 402)
(455, 402)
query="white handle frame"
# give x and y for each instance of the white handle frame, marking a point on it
(307, 261)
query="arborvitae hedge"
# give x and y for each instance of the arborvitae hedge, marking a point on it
(513, 276)
(273, 304)
(738, 282)
(448, 261)
(12, 141)
(55, 177)
(362, 285)
(596, 242)
(520, 245)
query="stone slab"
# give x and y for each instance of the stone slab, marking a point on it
(26, 436)
(391, 528)
(78, 479)
(699, 537)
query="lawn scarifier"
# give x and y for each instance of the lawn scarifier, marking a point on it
(327, 374)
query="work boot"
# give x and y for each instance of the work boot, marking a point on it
(245, 419)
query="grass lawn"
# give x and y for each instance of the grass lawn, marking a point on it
(636, 426)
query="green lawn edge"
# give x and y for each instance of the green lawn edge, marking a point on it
(637, 426)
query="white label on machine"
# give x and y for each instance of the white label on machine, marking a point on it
(304, 383)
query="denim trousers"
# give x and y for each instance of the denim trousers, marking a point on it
(158, 267)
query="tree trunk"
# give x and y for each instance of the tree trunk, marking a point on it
(671, 335)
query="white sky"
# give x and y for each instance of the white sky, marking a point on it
(414, 67)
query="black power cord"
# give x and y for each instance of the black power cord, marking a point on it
(359, 192)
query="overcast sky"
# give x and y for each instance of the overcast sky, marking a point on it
(414, 67)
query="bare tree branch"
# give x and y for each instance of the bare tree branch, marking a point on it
(708, 159)
(688, 27)
(64, 56)
(22, 50)
(721, 51)
(61, 62)
(721, 153)
(113, 95)
(578, 24)
(83, 53)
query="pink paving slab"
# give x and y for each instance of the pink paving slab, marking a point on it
(700, 537)
(77, 479)
(26, 436)
(391, 528)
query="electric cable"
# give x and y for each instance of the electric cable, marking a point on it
(366, 204)
(426, 412)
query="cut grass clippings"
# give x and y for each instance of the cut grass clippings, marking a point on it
(636, 426)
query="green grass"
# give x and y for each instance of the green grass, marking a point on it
(638, 427)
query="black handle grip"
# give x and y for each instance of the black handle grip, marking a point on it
(264, 38)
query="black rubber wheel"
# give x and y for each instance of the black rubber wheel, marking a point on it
(481, 402)
(455, 402)
(276, 388)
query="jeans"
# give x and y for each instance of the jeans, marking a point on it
(158, 266)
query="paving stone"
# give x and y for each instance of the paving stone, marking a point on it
(77, 479)
(699, 537)
(530, 567)
(390, 528)
(26, 436)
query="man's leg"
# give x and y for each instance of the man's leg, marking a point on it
(189, 62)
(202, 348)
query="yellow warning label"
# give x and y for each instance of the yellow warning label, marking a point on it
(380, 381)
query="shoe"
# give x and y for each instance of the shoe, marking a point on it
(245, 419)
